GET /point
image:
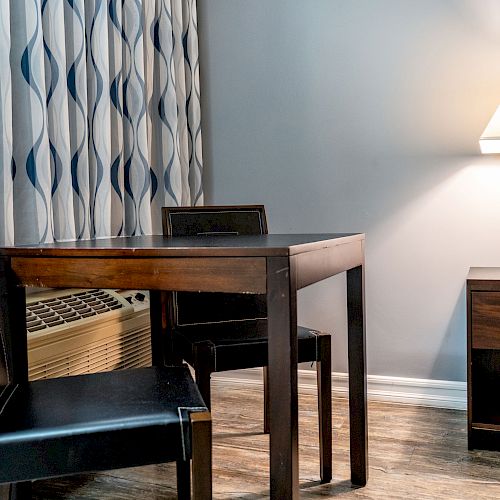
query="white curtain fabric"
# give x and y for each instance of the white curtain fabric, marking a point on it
(99, 117)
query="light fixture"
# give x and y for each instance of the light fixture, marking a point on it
(489, 142)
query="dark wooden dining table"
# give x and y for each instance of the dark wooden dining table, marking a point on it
(276, 264)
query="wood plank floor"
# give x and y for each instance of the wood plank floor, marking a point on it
(415, 453)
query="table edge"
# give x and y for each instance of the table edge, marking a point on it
(156, 252)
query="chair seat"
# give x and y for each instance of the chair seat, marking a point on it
(96, 422)
(237, 345)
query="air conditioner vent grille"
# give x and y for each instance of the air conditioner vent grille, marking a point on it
(66, 309)
(75, 331)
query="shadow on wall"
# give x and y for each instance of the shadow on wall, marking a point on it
(326, 315)
(449, 362)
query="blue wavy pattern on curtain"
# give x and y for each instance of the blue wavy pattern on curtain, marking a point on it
(99, 117)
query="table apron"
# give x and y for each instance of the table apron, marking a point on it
(312, 267)
(203, 274)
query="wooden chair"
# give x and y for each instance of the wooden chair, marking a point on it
(103, 421)
(215, 332)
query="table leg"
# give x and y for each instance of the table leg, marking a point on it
(157, 316)
(357, 376)
(282, 354)
(12, 327)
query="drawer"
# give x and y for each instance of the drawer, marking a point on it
(485, 320)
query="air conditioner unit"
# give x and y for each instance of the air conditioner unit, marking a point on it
(74, 331)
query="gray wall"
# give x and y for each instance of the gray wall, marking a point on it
(364, 115)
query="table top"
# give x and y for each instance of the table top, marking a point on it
(484, 273)
(162, 246)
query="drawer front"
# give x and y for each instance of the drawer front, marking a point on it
(486, 320)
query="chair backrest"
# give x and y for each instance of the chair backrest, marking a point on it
(204, 308)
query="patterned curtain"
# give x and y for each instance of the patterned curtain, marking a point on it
(99, 117)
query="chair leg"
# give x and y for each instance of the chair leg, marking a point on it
(162, 323)
(201, 455)
(19, 491)
(265, 377)
(324, 374)
(4, 491)
(183, 480)
(203, 368)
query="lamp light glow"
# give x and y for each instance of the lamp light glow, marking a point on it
(489, 142)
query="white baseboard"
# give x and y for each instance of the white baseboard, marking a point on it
(412, 391)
